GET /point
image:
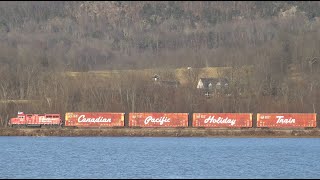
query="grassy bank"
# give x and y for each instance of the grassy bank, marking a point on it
(161, 132)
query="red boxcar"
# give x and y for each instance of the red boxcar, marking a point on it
(222, 120)
(36, 119)
(158, 119)
(94, 119)
(286, 120)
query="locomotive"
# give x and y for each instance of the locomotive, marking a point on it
(36, 120)
(169, 120)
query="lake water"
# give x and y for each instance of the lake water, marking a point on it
(154, 157)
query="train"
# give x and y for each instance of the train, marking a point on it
(168, 120)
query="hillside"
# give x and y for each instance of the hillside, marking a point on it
(109, 50)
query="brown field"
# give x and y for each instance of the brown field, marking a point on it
(180, 73)
(19, 101)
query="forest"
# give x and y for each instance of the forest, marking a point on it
(75, 56)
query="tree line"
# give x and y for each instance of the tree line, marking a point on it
(41, 41)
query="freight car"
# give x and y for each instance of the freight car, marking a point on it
(287, 120)
(171, 120)
(94, 119)
(222, 120)
(177, 120)
(37, 120)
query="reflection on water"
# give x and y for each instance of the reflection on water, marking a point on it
(152, 157)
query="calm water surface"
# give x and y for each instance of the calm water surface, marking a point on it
(151, 157)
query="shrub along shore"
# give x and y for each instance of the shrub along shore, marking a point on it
(160, 132)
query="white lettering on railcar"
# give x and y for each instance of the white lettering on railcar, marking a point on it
(220, 120)
(83, 118)
(285, 121)
(160, 120)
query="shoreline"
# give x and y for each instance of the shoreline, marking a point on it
(162, 132)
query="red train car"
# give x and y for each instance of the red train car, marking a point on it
(158, 119)
(94, 119)
(36, 119)
(286, 120)
(222, 120)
